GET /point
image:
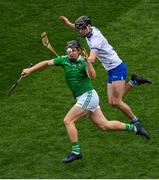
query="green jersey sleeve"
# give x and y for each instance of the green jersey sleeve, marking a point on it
(59, 60)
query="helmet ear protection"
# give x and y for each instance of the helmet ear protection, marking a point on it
(82, 22)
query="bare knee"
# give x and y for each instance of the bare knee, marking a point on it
(67, 121)
(115, 103)
(111, 103)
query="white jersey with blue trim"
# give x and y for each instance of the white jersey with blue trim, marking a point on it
(106, 54)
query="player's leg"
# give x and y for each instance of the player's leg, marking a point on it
(115, 92)
(120, 73)
(116, 89)
(85, 103)
(128, 87)
(135, 80)
(73, 115)
(100, 120)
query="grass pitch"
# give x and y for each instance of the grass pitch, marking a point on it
(33, 139)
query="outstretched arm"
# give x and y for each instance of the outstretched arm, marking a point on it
(36, 67)
(90, 69)
(66, 21)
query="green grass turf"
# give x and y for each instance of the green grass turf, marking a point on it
(33, 139)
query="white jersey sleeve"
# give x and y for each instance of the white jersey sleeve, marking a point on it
(106, 53)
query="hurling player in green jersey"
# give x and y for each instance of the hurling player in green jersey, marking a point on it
(78, 73)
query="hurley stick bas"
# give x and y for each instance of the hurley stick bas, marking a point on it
(12, 88)
(47, 44)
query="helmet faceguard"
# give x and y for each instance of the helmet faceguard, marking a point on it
(75, 47)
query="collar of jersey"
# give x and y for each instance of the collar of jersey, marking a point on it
(75, 61)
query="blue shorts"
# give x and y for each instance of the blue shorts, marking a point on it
(118, 73)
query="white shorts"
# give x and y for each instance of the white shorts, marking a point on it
(89, 100)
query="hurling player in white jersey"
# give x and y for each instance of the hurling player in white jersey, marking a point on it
(100, 49)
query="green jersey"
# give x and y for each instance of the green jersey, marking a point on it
(75, 74)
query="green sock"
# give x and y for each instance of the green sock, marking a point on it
(76, 147)
(130, 127)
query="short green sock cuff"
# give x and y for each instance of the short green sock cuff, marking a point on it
(75, 143)
(130, 127)
(76, 147)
